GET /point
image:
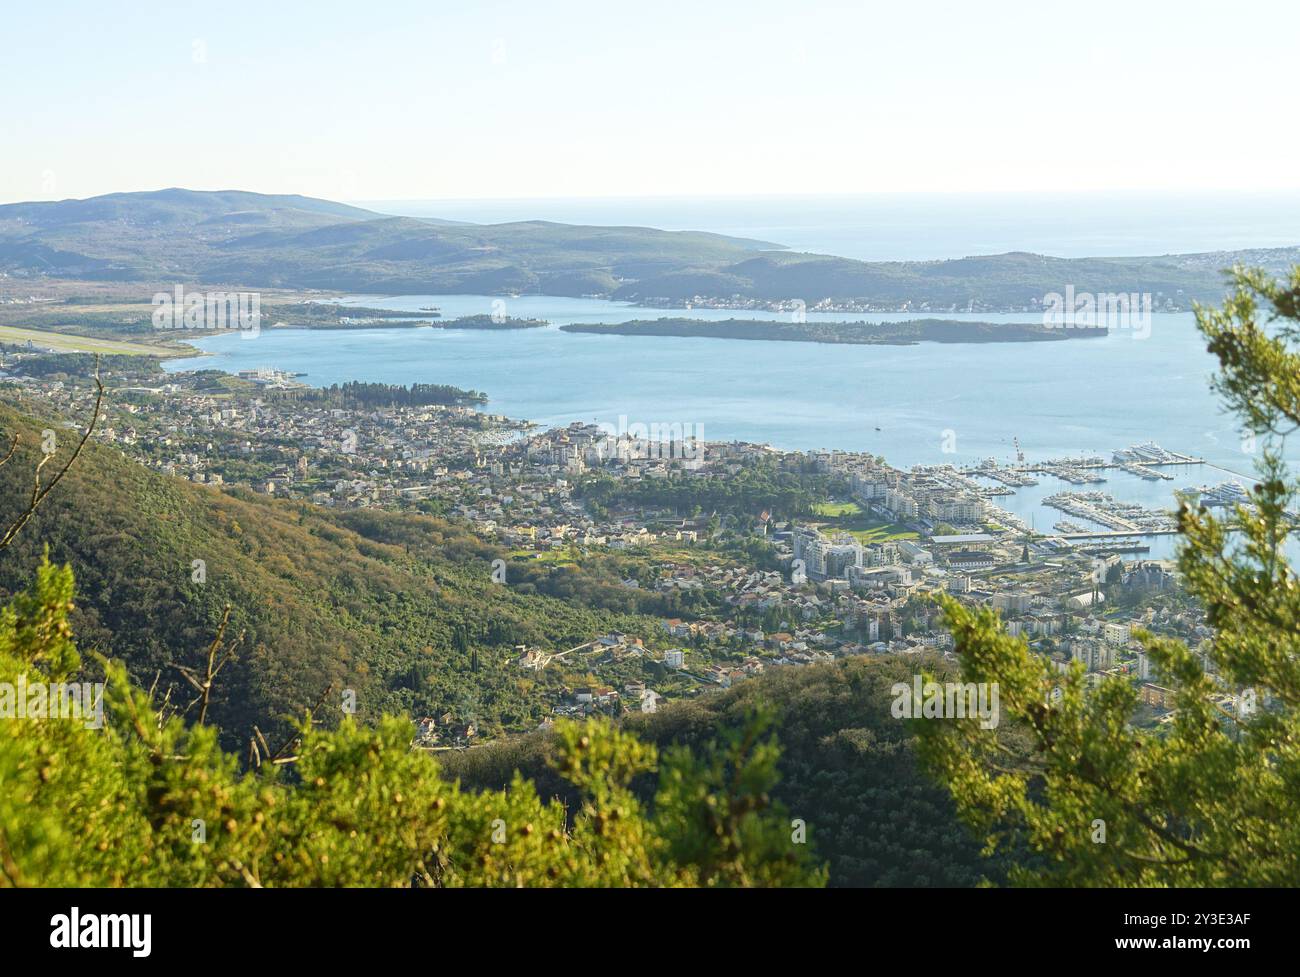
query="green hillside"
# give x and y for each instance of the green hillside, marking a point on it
(400, 608)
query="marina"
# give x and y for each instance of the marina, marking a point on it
(1144, 460)
(1224, 494)
(1106, 510)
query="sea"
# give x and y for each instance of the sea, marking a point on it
(920, 226)
(926, 404)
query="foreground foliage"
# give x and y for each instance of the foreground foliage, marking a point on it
(848, 769)
(1214, 798)
(153, 801)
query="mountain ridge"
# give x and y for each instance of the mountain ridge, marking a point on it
(235, 237)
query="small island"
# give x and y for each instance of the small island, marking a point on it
(490, 322)
(332, 315)
(907, 333)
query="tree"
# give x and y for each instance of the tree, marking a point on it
(142, 798)
(1211, 800)
(41, 489)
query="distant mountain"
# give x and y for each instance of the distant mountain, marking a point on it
(258, 241)
(254, 240)
(183, 208)
(1016, 280)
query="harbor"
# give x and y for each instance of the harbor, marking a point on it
(1122, 502)
(1120, 517)
(1144, 460)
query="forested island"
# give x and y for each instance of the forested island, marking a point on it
(327, 315)
(490, 322)
(906, 333)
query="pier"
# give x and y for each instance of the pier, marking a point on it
(1117, 534)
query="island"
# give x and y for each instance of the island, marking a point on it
(907, 333)
(490, 322)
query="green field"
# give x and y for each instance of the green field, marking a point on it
(64, 343)
(880, 532)
(849, 517)
(837, 510)
(560, 558)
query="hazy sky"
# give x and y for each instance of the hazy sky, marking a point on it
(431, 99)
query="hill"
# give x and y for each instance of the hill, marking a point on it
(291, 242)
(1016, 280)
(255, 240)
(398, 607)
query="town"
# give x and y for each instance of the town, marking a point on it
(827, 554)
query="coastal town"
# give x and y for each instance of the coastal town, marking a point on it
(846, 563)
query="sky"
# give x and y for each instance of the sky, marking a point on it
(431, 99)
